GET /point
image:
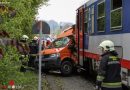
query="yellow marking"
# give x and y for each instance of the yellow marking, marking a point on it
(113, 58)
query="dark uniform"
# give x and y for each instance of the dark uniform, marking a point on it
(24, 50)
(109, 72)
(33, 52)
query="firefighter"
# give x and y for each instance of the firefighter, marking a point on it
(23, 48)
(24, 38)
(23, 45)
(48, 42)
(33, 45)
(108, 77)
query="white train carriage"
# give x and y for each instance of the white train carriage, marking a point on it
(99, 20)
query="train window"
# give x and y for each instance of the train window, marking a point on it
(101, 17)
(85, 27)
(86, 15)
(101, 11)
(77, 20)
(116, 14)
(116, 4)
(86, 21)
(80, 21)
(92, 13)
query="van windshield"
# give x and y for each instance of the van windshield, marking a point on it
(58, 43)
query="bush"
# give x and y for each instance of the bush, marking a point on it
(9, 64)
(10, 70)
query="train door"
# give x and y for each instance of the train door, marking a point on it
(77, 33)
(91, 32)
(88, 25)
(90, 20)
(86, 37)
(88, 63)
(81, 30)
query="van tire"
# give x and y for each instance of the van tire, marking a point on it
(66, 68)
(45, 70)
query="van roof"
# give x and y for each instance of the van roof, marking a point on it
(67, 32)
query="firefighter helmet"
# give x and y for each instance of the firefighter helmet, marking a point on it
(25, 37)
(107, 45)
(35, 38)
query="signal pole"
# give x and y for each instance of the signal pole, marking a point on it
(40, 58)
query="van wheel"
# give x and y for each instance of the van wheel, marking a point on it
(45, 70)
(66, 68)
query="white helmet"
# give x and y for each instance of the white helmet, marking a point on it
(35, 38)
(48, 39)
(107, 45)
(25, 37)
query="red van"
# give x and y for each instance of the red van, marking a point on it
(58, 55)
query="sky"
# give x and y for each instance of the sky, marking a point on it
(60, 10)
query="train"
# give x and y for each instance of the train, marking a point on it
(99, 20)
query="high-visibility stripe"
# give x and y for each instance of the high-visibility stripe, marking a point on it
(111, 85)
(125, 63)
(113, 58)
(100, 78)
(113, 62)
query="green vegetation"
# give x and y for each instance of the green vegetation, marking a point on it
(17, 19)
(22, 22)
(9, 64)
(10, 70)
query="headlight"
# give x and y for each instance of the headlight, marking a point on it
(55, 55)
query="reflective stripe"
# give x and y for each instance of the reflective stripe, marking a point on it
(114, 58)
(111, 85)
(113, 62)
(100, 78)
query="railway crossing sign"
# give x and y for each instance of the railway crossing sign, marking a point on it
(45, 27)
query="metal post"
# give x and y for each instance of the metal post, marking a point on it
(40, 57)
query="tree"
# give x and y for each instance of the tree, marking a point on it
(16, 18)
(23, 15)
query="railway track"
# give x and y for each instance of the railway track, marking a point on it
(55, 81)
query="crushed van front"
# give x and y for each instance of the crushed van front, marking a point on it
(50, 59)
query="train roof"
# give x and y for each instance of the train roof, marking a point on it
(88, 3)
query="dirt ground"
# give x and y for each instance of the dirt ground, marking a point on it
(54, 81)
